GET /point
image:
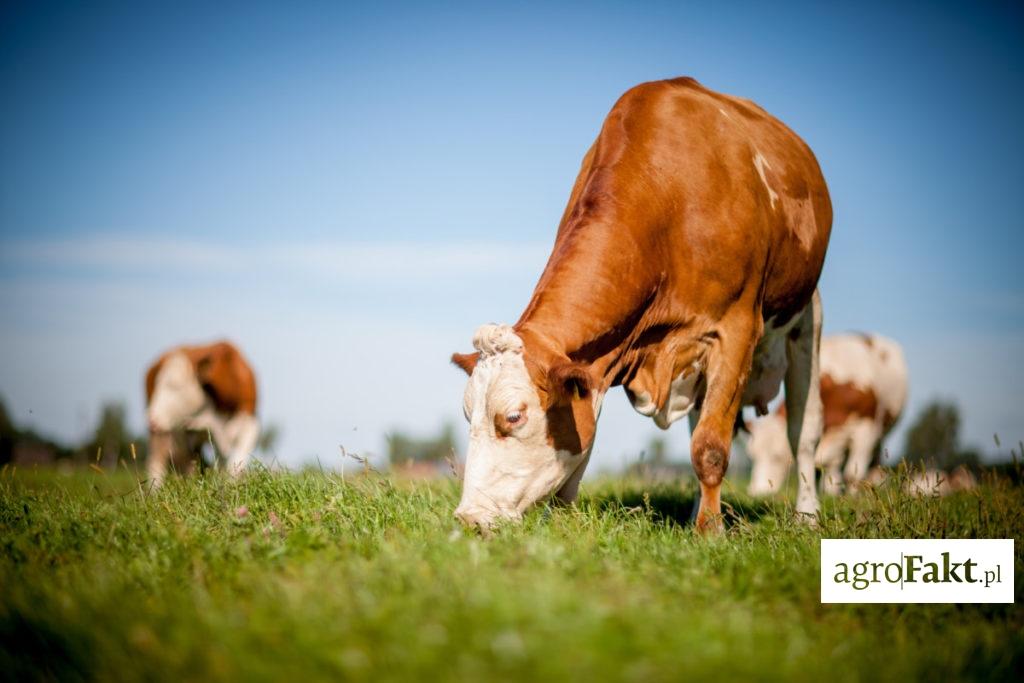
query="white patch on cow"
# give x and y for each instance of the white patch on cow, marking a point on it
(234, 435)
(725, 114)
(643, 403)
(505, 475)
(805, 417)
(768, 367)
(177, 395)
(242, 431)
(770, 455)
(847, 359)
(760, 163)
(681, 397)
(864, 434)
(891, 375)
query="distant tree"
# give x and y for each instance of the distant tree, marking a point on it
(403, 448)
(656, 453)
(969, 457)
(934, 439)
(270, 434)
(112, 440)
(8, 435)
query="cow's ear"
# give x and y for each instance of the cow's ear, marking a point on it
(570, 412)
(568, 381)
(466, 361)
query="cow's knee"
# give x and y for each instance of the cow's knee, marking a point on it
(710, 457)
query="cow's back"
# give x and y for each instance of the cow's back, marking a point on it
(222, 370)
(710, 190)
(689, 208)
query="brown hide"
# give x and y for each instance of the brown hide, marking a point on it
(672, 246)
(844, 400)
(841, 401)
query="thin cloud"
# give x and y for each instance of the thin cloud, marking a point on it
(362, 261)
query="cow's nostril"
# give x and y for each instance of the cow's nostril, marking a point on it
(473, 518)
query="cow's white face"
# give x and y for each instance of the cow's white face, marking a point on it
(177, 394)
(525, 444)
(770, 455)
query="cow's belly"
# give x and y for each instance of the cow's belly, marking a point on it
(768, 368)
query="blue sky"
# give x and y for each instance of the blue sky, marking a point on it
(348, 191)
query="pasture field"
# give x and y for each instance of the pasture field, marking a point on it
(315, 576)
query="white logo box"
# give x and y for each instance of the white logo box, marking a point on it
(926, 571)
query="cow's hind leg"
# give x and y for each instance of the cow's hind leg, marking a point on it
(830, 454)
(187, 453)
(243, 433)
(727, 373)
(804, 420)
(863, 440)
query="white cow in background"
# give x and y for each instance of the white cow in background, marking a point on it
(863, 392)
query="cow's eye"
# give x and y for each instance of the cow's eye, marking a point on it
(505, 423)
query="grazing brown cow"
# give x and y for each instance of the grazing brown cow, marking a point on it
(685, 269)
(195, 394)
(863, 391)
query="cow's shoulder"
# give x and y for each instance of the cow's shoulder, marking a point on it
(151, 374)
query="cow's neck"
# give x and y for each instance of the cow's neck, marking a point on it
(589, 304)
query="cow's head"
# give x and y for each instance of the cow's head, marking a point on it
(174, 391)
(770, 455)
(531, 427)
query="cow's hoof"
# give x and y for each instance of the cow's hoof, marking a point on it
(808, 519)
(710, 524)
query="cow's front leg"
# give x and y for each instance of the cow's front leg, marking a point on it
(804, 420)
(159, 452)
(727, 371)
(242, 431)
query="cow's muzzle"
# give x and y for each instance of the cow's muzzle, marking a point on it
(482, 519)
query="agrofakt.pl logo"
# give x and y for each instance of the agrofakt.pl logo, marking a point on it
(906, 570)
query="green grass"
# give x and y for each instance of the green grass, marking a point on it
(328, 578)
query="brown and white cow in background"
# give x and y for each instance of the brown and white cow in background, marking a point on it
(195, 394)
(863, 393)
(685, 269)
